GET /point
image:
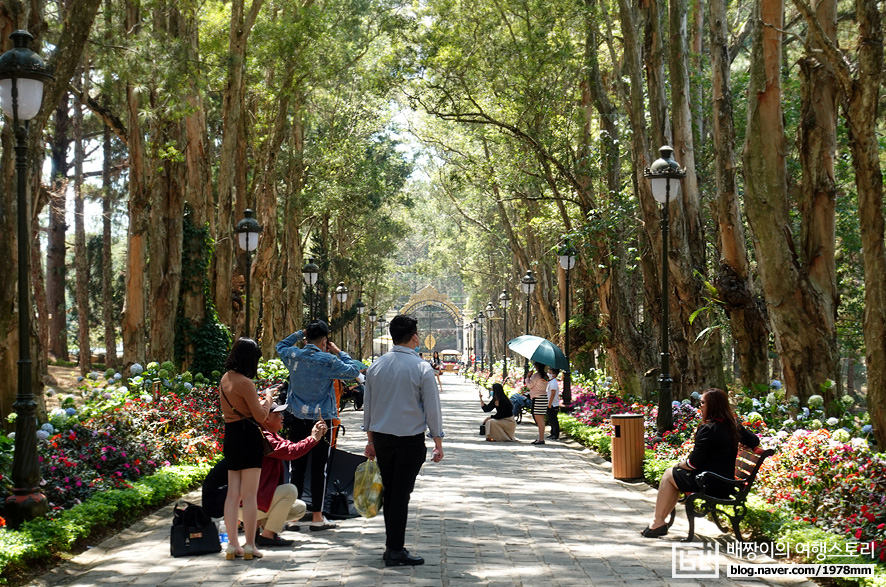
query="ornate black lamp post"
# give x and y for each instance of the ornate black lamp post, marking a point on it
(567, 262)
(660, 173)
(361, 307)
(310, 273)
(490, 314)
(248, 230)
(481, 318)
(22, 76)
(372, 317)
(527, 284)
(341, 294)
(381, 326)
(475, 327)
(469, 329)
(504, 300)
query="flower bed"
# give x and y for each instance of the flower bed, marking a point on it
(116, 447)
(828, 478)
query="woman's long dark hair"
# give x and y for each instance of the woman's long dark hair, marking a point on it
(498, 394)
(716, 408)
(541, 370)
(244, 358)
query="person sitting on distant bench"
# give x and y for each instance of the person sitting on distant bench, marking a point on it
(353, 393)
(278, 502)
(500, 426)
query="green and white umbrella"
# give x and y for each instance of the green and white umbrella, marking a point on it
(539, 350)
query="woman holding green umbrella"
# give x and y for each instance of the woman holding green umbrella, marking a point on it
(538, 387)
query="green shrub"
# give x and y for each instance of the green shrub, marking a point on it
(43, 538)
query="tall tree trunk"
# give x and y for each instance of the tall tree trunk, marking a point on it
(198, 185)
(81, 266)
(55, 247)
(108, 318)
(634, 102)
(166, 213)
(734, 281)
(818, 190)
(806, 348)
(700, 361)
(134, 335)
(232, 108)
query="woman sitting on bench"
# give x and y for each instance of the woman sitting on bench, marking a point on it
(716, 448)
(500, 426)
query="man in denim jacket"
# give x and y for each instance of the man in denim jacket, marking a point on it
(312, 397)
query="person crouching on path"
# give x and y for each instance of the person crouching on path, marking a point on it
(276, 498)
(311, 397)
(401, 402)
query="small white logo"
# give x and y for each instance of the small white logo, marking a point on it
(693, 560)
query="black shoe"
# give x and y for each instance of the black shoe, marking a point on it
(538, 442)
(399, 558)
(655, 532)
(292, 527)
(275, 541)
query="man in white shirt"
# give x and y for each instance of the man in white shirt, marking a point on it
(553, 403)
(401, 403)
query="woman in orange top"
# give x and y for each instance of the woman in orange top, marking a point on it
(538, 393)
(243, 449)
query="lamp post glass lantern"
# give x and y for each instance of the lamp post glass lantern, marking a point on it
(23, 75)
(567, 254)
(310, 273)
(504, 300)
(341, 294)
(665, 174)
(248, 230)
(527, 285)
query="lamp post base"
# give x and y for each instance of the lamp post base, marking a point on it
(24, 505)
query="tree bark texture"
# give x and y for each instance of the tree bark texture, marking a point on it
(81, 266)
(699, 359)
(134, 327)
(55, 244)
(232, 109)
(734, 281)
(806, 347)
(109, 320)
(818, 190)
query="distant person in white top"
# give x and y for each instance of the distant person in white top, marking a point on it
(401, 403)
(553, 403)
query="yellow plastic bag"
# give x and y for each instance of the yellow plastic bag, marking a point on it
(368, 489)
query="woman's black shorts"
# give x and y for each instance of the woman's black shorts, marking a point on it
(243, 446)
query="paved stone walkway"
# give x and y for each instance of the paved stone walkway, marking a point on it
(494, 514)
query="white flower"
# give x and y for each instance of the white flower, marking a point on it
(832, 421)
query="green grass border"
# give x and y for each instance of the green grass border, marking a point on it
(44, 539)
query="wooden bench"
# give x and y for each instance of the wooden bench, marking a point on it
(700, 504)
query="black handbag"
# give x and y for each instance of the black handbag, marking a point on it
(338, 503)
(482, 429)
(193, 531)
